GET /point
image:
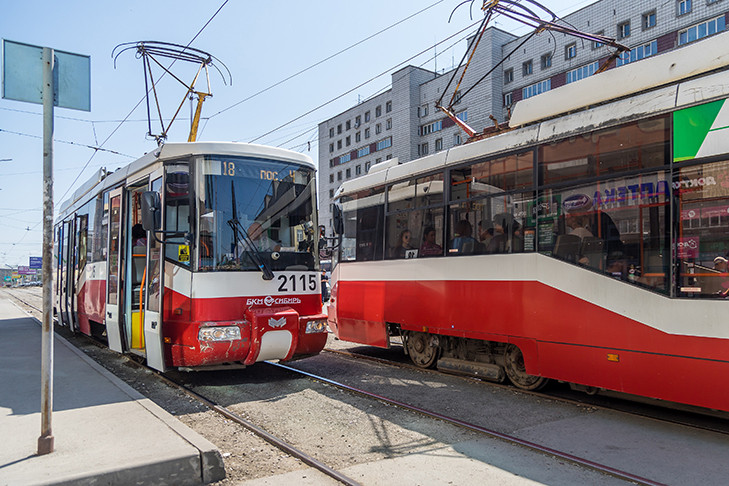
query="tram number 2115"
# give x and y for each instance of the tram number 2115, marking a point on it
(296, 283)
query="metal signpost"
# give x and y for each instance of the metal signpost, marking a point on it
(39, 75)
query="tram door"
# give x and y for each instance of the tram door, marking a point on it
(153, 315)
(114, 258)
(71, 275)
(142, 283)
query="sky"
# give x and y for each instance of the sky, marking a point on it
(282, 57)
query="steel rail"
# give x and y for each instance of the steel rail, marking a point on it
(229, 414)
(477, 428)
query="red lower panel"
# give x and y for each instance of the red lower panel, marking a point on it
(561, 336)
(91, 304)
(181, 332)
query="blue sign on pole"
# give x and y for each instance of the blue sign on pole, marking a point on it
(36, 262)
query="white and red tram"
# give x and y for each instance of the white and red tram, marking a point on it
(195, 255)
(587, 247)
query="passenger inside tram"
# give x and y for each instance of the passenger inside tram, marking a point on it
(429, 247)
(404, 248)
(463, 242)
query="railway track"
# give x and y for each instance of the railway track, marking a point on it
(311, 461)
(697, 418)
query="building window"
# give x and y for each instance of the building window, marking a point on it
(507, 99)
(683, 7)
(348, 141)
(424, 110)
(358, 170)
(638, 53)
(331, 193)
(527, 68)
(438, 144)
(345, 158)
(331, 148)
(378, 160)
(378, 111)
(508, 76)
(331, 132)
(547, 61)
(349, 173)
(367, 166)
(348, 125)
(367, 116)
(704, 29)
(463, 116)
(339, 175)
(624, 30)
(535, 89)
(339, 145)
(331, 177)
(649, 20)
(389, 156)
(570, 51)
(339, 129)
(383, 144)
(367, 133)
(423, 149)
(457, 139)
(331, 163)
(431, 127)
(378, 129)
(388, 124)
(388, 107)
(358, 136)
(364, 151)
(582, 72)
(357, 121)
(596, 44)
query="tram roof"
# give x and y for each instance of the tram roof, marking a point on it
(684, 77)
(103, 180)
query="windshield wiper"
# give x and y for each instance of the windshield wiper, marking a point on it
(239, 233)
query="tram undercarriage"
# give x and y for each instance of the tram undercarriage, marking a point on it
(489, 360)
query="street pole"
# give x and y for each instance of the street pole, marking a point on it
(45, 441)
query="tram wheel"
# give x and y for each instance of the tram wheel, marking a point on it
(516, 370)
(422, 349)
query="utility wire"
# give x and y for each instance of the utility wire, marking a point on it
(327, 59)
(363, 84)
(70, 143)
(139, 103)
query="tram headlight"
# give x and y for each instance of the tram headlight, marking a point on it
(224, 333)
(316, 326)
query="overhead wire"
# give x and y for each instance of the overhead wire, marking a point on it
(361, 84)
(312, 66)
(97, 149)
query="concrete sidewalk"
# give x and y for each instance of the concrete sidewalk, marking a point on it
(105, 432)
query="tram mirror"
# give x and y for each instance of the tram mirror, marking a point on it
(151, 214)
(338, 220)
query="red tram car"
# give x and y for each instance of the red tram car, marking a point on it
(195, 255)
(583, 245)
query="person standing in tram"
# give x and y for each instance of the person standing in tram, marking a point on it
(139, 236)
(463, 242)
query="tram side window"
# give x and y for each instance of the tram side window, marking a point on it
(639, 145)
(363, 225)
(83, 239)
(415, 234)
(177, 215)
(702, 241)
(617, 226)
(101, 216)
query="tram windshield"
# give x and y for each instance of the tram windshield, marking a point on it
(255, 214)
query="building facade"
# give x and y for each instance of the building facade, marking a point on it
(404, 122)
